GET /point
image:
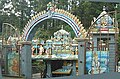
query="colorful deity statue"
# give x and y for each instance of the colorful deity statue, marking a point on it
(104, 20)
(95, 64)
(32, 50)
(48, 51)
(41, 49)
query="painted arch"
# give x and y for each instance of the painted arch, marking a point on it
(70, 19)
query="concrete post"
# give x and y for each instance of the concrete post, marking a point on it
(0, 68)
(0, 72)
(81, 55)
(74, 68)
(49, 74)
(6, 49)
(26, 64)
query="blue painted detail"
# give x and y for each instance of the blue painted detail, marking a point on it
(69, 19)
(105, 21)
(55, 16)
(47, 18)
(74, 29)
(103, 59)
(33, 24)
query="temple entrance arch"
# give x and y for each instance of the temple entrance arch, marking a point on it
(31, 27)
(70, 19)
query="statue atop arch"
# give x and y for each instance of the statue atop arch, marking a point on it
(51, 6)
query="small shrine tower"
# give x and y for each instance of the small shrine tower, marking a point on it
(62, 41)
(104, 34)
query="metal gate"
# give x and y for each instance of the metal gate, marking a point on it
(11, 60)
(10, 50)
(97, 58)
(101, 51)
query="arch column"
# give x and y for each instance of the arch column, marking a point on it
(81, 55)
(32, 25)
(59, 14)
(26, 62)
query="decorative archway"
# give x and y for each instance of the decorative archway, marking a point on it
(70, 19)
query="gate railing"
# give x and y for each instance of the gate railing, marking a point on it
(96, 60)
(11, 60)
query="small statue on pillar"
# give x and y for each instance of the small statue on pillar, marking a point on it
(32, 50)
(41, 49)
(48, 51)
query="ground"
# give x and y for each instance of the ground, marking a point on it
(11, 78)
(34, 76)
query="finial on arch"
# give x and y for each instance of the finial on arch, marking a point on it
(51, 6)
(104, 8)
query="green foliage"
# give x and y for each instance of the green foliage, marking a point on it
(48, 27)
(18, 20)
(62, 4)
(40, 65)
(84, 10)
(42, 34)
(69, 29)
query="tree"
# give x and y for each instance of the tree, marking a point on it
(20, 11)
(15, 12)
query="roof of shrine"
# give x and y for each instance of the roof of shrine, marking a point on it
(104, 23)
(104, 20)
(62, 32)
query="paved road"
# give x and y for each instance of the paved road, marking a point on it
(11, 78)
(34, 76)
